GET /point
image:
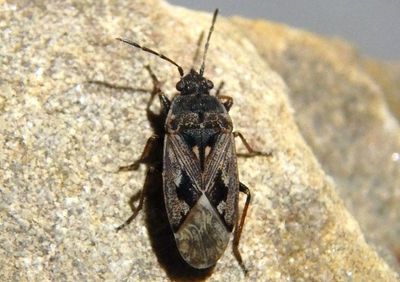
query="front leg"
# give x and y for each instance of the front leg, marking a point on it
(165, 102)
(228, 99)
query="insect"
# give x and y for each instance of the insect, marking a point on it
(200, 175)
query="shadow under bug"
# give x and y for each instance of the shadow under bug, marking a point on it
(199, 165)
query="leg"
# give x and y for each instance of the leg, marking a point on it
(145, 158)
(228, 99)
(196, 54)
(228, 102)
(251, 151)
(140, 195)
(113, 86)
(165, 103)
(239, 227)
(154, 140)
(220, 86)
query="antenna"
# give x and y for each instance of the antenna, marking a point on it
(207, 42)
(134, 44)
(196, 54)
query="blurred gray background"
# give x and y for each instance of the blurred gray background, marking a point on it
(373, 26)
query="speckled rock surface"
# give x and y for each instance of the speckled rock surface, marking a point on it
(63, 139)
(346, 108)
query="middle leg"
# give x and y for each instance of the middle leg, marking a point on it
(251, 151)
(146, 158)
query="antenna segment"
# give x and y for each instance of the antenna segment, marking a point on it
(134, 44)
(207, 42)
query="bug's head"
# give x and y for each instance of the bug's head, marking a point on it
(194, 83)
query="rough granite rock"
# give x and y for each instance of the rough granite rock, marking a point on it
(63, 137)
(346, 108)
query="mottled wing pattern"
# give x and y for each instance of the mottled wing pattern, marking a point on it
(221, 178)
(182, 179)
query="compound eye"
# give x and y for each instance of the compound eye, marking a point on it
(180, 85)
(210, 85)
